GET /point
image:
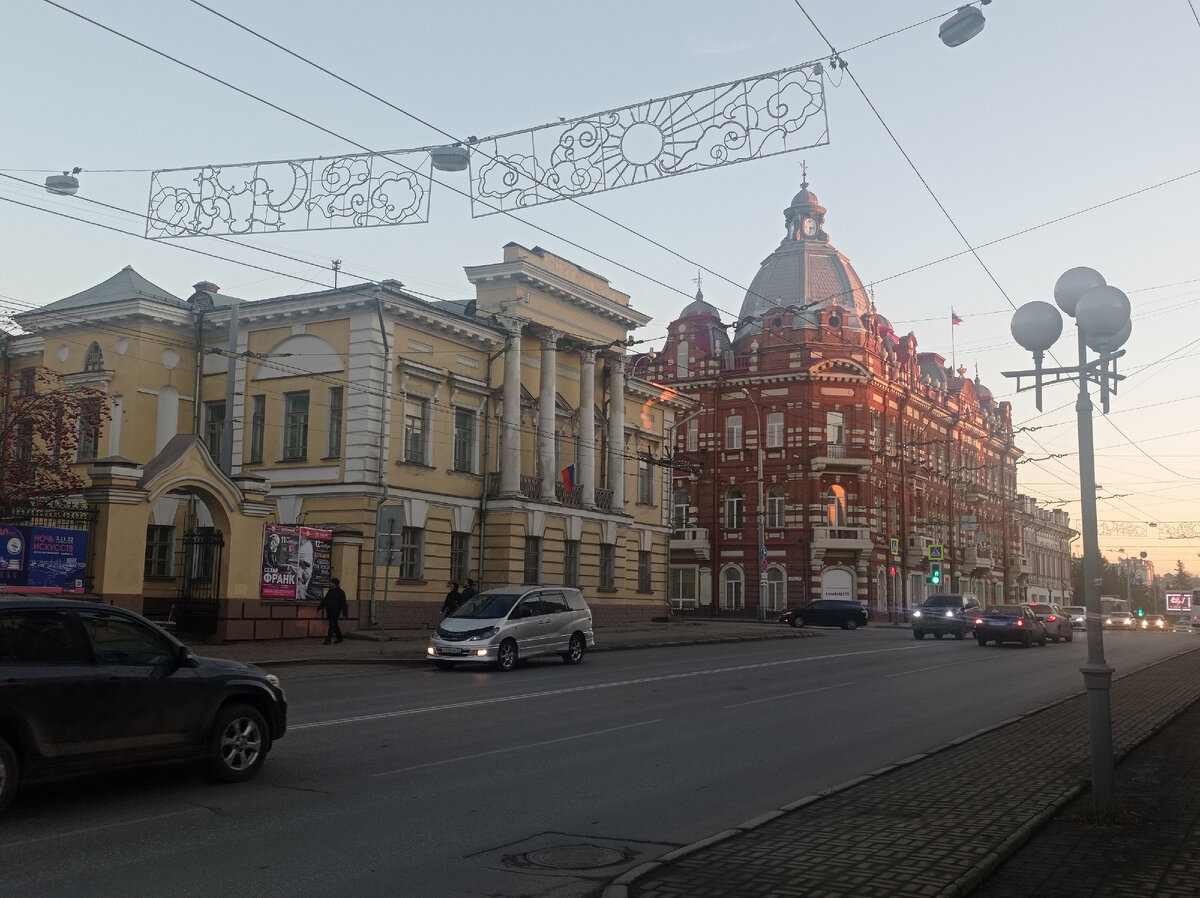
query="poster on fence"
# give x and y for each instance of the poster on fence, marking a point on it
(42, 559)
(296, 562)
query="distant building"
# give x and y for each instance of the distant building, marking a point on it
(828, 457)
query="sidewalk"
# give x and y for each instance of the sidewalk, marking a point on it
(1000, 813)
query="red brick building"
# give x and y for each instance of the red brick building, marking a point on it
(827, 455)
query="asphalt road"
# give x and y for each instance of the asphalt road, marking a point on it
(546, 781)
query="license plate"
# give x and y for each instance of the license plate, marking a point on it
(453, 651)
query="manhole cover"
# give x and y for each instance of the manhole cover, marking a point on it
(569, 857)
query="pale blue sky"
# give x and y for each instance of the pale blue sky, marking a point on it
(1055, 108)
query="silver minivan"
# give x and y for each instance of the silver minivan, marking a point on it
(505, 625)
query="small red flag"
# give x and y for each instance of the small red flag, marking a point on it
(954, 319)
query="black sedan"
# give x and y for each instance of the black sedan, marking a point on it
(1009, 623)
(842, 613)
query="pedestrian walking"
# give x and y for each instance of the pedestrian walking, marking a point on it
(453, 600)
(468, 592)
(334, 605)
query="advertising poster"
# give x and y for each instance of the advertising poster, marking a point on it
(296, 562)
(42, 559)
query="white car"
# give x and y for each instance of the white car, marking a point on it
(505, 625)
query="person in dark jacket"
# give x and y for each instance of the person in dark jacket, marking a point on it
(468, 592)
(334, 605)
(453, 600)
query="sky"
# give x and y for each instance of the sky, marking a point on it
(964, 178)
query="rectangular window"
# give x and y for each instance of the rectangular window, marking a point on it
(89, 430)
(645, 582)
(693, 435)
(160, 551)
(416, 426)
(460, 556)
(774, 430)
(608, 566)
(464, 440)
(295, 426)
(645, 482)
(214, 427)
(683, 589)
(258, 427)
(412, 553)
(533, 561)
(733, 432)
(571, 563)
(835, 428)
(334, 447)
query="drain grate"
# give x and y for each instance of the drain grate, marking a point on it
(569, 857)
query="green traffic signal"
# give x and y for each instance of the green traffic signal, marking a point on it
(1141, 613)
(935, 574)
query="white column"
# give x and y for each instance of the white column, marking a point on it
(586, 466)
(546, 406)
(616, 434)
(510, 423)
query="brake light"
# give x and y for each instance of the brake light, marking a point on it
(1052, 618)
(1020, 623)
(979, 620)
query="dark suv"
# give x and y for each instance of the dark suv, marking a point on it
(86, 686)
(844, 613)
(952, 613)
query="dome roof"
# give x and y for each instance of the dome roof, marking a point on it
(700, 306)
(804, 270)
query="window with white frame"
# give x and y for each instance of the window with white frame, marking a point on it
(735, 509)
(776, 507)
(773, 597)
(681, 359)
(835, 428)
(412, 553)
(295, 426)
(416, 430)
(333, 448)
(645, 577)
(464, 439)
(835, 506)
(160, 551)
(681, 503)
(88, 430)
(733, 432)
(693, 435)
(214, 427)
(645, 481)
(733, 588)
(533, 561)
(683, 591)
(94, 359)
(774, 430)
(571, 563)
(608, 565)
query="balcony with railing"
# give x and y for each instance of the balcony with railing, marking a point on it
(1020, 565)
(977, 558)
(531, 488)
(854, 538)
(690, 544)
(855, 456)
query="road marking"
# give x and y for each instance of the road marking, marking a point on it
(591, 687)
(905, 673)
(526, 747)
(775, 698)
(95, 829)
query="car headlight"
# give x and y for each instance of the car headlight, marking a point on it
(916, 613)
(273, 680)
(486, 633)
(949, 614)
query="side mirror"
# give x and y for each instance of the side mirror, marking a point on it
(185, 658)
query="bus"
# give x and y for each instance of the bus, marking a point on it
(1112, 604)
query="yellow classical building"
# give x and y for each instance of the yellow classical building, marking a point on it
(499, 438)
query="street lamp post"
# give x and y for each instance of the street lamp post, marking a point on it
(1101, 314)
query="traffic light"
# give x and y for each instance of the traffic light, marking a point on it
(935, 573)
(1141, 613)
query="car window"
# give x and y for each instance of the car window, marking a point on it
(530, 607)
(943, 602)
(553, 603)
(118, 640)
(487, 605)
(1003, 609)
(41, 637)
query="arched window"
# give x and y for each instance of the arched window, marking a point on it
(733, 593)
(94, 360)
(681, 359)
(681, 501)
(835, 506)
(776, 507)
(775, 599)
(735, 507)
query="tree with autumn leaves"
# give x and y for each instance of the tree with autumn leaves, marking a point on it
(47, 426)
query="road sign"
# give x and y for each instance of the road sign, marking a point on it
(895, 544)
(762, 565)
(937, 552)
(762, 551)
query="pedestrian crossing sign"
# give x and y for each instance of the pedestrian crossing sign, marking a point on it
(936, 552)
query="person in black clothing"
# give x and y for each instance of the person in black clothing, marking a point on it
(334, 605)
(453, 600)
(469, 591)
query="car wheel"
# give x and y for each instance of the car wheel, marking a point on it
(960, 634)
(798, 620)
(1027, 641)
(850, 624)
(506, 655)
(792, 622)
(1054, 639)
(9, 772)
(938, 635)
(238, 745)
(444, 665)
(1042, 641)
(918, 634)
(982, 642)
(574, 652)
(1071, 636)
